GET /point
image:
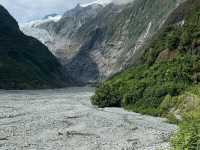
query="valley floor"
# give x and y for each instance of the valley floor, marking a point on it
(65, 120)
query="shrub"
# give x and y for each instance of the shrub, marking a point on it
(185, 40)
(106, 96)
(188, 136)
(144, 88)
(172, 41)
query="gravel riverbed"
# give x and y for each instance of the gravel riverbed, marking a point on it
(64, 119)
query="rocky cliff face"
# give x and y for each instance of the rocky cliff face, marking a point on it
(25, 63)
(95, 42)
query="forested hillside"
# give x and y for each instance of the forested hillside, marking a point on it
(25, 63)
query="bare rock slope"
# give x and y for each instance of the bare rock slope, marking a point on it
(96, 41)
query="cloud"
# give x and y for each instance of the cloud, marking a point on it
(24, 10)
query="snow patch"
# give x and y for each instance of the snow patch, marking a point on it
(142, 39)
(97, 2)
(31, 29)
(35, 23)
(41, 34)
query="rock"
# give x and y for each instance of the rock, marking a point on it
(95, 42)
(167, 55)
(93, 129)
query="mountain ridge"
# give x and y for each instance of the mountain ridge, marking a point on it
(25, 62)
(124, 29)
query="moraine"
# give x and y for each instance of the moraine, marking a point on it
(64, 119)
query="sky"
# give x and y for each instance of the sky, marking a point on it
(26, 10)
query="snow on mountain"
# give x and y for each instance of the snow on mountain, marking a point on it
(31, 29)
(98, 2)
(106, 2)
(35, 23)
(40, 34)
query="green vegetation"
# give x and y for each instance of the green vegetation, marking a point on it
(143, 89)
(25, 63)
(187, 106)
(166, 84)
(188, 136)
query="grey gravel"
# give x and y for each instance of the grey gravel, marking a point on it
(64, 119)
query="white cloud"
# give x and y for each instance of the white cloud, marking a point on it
(24, 10)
